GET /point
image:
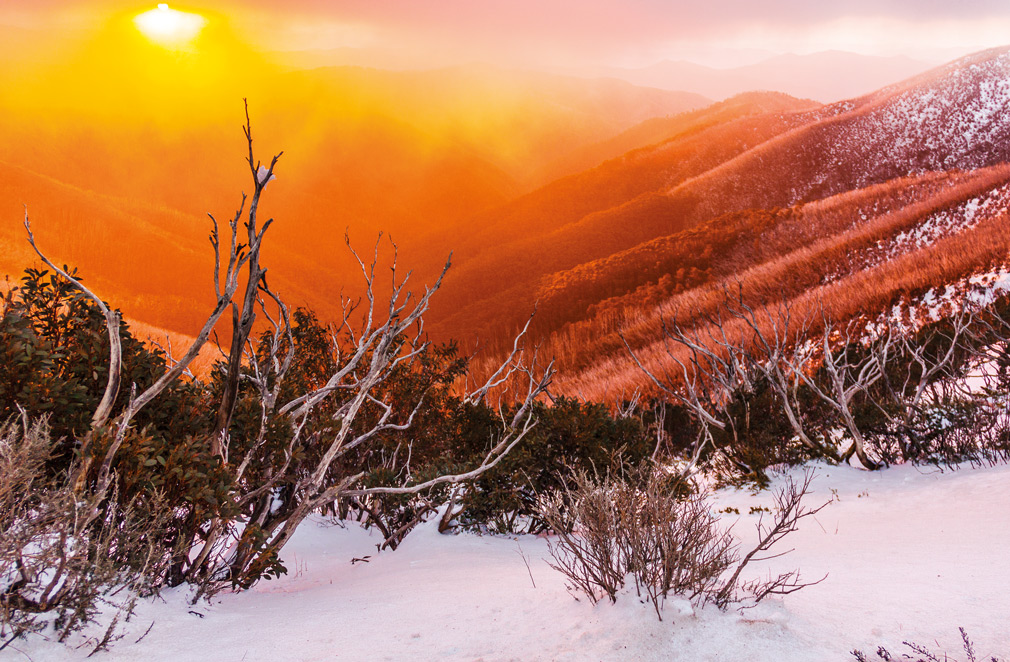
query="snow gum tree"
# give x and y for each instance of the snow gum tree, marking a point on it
(287, 417)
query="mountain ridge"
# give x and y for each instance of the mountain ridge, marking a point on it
(827, 76)
(941, 121)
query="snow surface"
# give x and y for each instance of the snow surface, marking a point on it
(261, 175)
(910, 553)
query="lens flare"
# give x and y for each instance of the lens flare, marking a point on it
(169, 27)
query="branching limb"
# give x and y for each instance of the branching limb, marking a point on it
(788, 513)
(112, 322)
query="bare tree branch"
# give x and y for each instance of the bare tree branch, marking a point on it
(112, 322)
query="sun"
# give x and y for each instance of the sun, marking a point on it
(169, 27)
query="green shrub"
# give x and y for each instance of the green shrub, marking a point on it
(570, 436)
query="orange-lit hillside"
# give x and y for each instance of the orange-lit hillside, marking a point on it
(120, 143)
(604, 204)
(820, 214)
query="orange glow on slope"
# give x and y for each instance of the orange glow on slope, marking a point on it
(169, 27)
(121, 143)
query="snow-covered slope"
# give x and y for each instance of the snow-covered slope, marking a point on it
(910, 554)
(991, 205)
(954, 116)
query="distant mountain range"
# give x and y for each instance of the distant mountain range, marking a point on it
(826, 76)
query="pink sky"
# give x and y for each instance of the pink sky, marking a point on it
(578, 32)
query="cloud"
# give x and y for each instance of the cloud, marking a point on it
(539, 30)
(629, 18)
(614, 28)
(619, 18)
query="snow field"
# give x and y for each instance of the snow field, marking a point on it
(910, 553)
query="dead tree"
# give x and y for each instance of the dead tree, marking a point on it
(244, 317)
(382, 339)
(233, 257)
(928, 366)
(732, 352)
(725, 359)
(776, 351)
(704, 398)
(850, 374)
(378, 340)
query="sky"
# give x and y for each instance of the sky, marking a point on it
(574, 32)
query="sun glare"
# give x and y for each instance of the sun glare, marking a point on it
(169, 27)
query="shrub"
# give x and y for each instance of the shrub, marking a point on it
(665, 536)
(571, 436)
(56, 340)
(923, 654)
(55, 557)
(53, 341)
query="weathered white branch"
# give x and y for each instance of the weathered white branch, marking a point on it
(112, 322)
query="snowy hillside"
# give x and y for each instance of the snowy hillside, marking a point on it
(950, 118)
(930, 229)
(909, 554)
(734, 179)
(956, 119)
